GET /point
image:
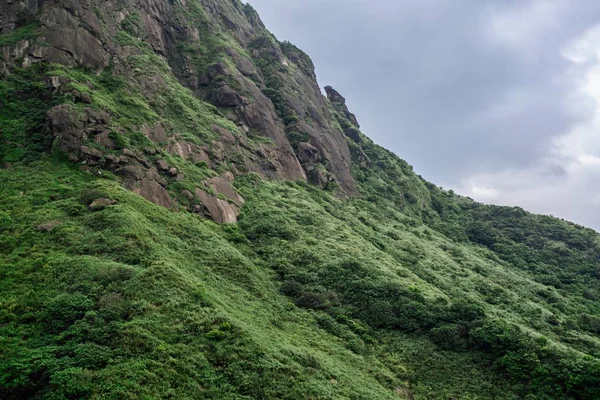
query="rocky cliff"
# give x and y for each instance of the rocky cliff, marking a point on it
(268, 114)
(333, 270)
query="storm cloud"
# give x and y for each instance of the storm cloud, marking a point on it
(497, 100)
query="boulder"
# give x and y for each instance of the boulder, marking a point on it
(133, 172)
(307, 153)
(81, 97)
(151, 190)
(101, 203)
(90, 152)
(225, 96)
(187, 194)
(162, 165)
(224, 187)
(48, 226)
(94, 117)
(226, 136)
(217, 209)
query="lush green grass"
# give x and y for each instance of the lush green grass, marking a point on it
(309, 296)
(136, 301)
(26, 32)
(356, 261)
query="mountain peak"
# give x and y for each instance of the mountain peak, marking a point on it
(184, 214)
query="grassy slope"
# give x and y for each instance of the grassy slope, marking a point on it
(135, 300)
(308, 297)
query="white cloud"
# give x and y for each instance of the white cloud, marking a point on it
(567, 182)
(524, 24)
(485, 194)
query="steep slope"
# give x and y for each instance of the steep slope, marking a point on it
(332, 271)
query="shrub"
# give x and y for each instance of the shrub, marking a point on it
(449, 337)
(65, 309)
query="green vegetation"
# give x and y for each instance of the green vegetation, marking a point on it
(406, 288)
(24, 102)
(395, 275)
(101, 303)
(26, 32)
(136, 301)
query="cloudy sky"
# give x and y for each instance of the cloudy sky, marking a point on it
(496, 99)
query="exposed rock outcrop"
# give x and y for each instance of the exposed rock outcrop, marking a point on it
(217, 209)
(285, 126)
(223, 206)
(224, 187)
(14, 11)
(72, 129)
(101, 203)
(340, 103)
(48, 226)
(151, 190)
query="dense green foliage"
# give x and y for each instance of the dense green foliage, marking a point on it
(395, 274)
(25, 32)
(97, 306)
(135, 301)
(309, 296)
(24, 102)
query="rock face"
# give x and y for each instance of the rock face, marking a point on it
(224, 187)
(151, 190)
(219, 201)
(13, 11)
(340, 103)
(217, 209)
(72, 129)
(101, 203)
(224, 206)
(282, 127)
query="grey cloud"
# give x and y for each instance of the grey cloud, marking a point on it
(456, 87)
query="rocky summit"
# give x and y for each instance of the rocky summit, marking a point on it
(185, 215)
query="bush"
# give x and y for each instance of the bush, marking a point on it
(65, 309)
(451, 337)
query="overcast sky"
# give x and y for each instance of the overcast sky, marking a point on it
(496, 99)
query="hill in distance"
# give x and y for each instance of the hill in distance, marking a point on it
(183, 215)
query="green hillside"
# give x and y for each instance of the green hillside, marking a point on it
(343, 275)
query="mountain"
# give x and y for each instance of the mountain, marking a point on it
(184, 214)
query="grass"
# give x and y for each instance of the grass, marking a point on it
(309, 296)
(134, 294)
(111, 302)
(26, 32)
